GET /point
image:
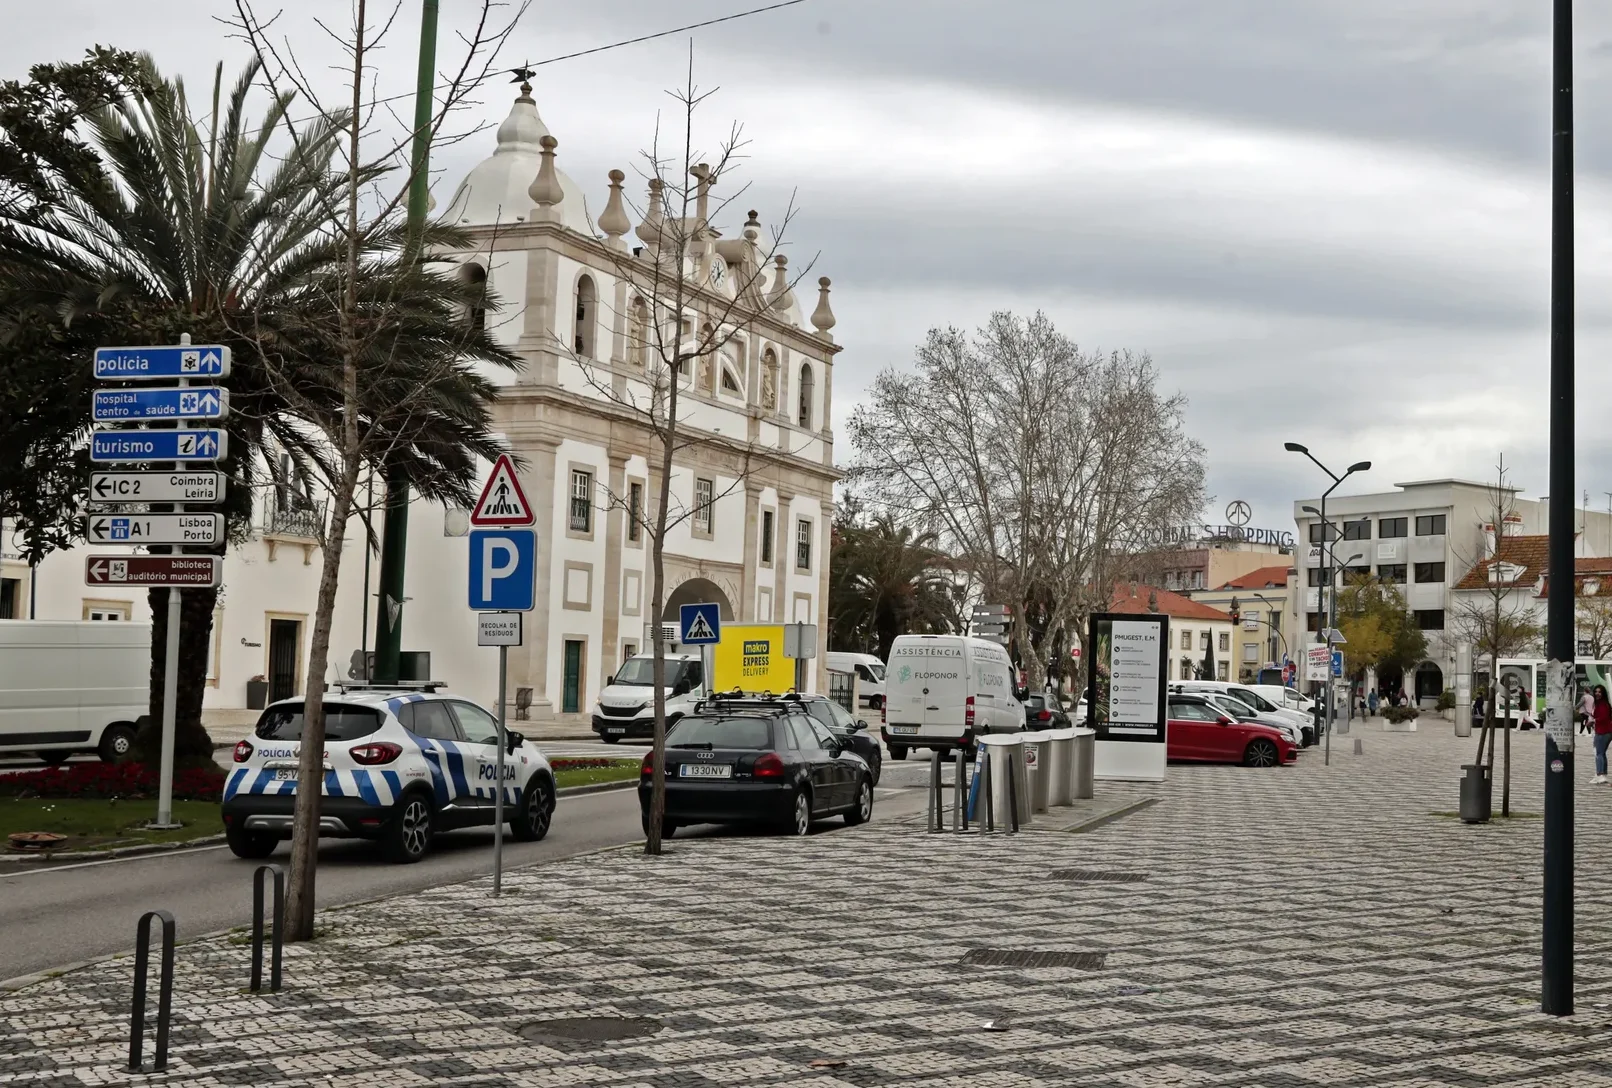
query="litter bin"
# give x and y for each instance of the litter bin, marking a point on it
(1083, 772)
(1476, 789)
(1037, 768)
(1060, 766)
(1005, 764)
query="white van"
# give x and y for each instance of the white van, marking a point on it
(626, 707)
(1286, 697)
(869, 672)
(69, 687)
(942, 691)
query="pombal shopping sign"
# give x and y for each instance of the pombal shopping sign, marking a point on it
(1238, 515)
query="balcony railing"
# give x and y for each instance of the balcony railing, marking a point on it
(306, 521)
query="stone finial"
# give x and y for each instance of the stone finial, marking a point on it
(526, 93)
(752, 228)
(781, 299)
(545, 189)
(614, 221)
(702, 194)
(650, 230)
(823, 316)
(1152, 600)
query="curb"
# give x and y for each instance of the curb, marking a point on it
(120, 852)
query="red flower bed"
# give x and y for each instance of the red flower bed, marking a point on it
(585, 764)
(107, 780)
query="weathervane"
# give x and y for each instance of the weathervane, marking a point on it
(522, 75)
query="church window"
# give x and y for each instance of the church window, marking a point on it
(804, 413)
(587, 316)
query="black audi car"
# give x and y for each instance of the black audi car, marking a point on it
(847, 730)
(757, 759)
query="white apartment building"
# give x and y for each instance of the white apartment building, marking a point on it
(1423, 537)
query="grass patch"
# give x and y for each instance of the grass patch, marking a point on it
(621, 771)
(95, 824)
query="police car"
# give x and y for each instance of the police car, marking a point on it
(400, 765)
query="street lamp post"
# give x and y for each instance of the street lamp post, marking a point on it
(1275, 630)
(1337, 481)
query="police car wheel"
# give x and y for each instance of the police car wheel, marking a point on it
(408, 834)
(250, 844)
(535, 811)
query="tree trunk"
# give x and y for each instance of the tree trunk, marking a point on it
(193, 747)
(657, 778)
(1505, 776)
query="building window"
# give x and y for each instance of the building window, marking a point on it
(1320, 576)
(10, 594)
(1388, 528)
(587, 316)
(1430, 572)
(1357, 530)
(1225, 642)
(1392, 573)
(1203, 640)
(1316, 534)
(1430, 525)
(803, 544)
(1313, 621)
(1351, 574)
(635, 511)
(1251, 652)
(1430, 619)
(804, 413)
(1224, 669)
(704, 497)
(1186, 639)
(766, 537)
(1186, 669)
(581, 502)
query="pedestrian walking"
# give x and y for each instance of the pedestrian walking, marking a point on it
(1603, 733)
(1371, 702)
(1586, 711)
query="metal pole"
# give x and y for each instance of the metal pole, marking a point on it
(1557, 946)
(170, 697)
(363, 627)
(1330, 555)
(395, 538)
(498, 804)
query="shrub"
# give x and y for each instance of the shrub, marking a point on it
(1398, 714)
(1446, 699)
(102, 781)
(584, 764)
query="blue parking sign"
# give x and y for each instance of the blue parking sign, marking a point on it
(701, 625)
(1337, 662)
(503, 570)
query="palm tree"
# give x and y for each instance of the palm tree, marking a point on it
(140, 221)
(884, 581)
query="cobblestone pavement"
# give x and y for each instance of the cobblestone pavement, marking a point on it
(1291, 927)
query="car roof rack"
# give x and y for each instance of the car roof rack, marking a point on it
(430, 686)
(740, 697)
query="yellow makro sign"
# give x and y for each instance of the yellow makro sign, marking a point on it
(751, 657)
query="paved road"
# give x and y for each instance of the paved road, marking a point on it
(64, 914)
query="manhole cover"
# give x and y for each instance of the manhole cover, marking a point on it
(1010, 957)
(589, 1029)
(1115, 876)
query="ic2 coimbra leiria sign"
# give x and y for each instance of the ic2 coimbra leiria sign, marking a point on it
(1126, 698)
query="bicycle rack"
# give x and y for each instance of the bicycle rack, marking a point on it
(936, 819)
(165, 991)
(257, 927)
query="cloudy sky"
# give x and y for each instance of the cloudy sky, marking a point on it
(1327, 221)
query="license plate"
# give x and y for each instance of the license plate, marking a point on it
(903, 730)
(285, 774)
(705, 770)
(615, 729)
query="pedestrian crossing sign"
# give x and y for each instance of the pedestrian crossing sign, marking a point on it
(701, 625)
(502, 501)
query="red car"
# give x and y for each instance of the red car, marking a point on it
(1201, 733)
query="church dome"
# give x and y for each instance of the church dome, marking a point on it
(496, 190)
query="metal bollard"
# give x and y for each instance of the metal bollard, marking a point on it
(960, 791)
(257, 927)
(165, 991)
(985, 791)
(937, 813)
(1013, 799)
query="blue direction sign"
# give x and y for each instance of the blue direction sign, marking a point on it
(503, 570)
(701, 625)
(114, 446)
(146, 364)
(202, 402)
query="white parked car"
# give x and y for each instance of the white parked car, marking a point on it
(1242, 712)
(1247, 694)
(943, 691)
(626, 707)
(400, 765)
(1285, 697)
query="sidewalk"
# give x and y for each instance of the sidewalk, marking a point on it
(1300, 926)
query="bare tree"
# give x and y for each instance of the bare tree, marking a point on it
(381, 356)
(1492, 619)
(1042, 469)
(1595, 625)
(685, 296)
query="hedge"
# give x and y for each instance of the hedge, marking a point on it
(109, 780)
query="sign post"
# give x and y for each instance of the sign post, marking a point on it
(503, 576)
(182, 445)
(800, 643)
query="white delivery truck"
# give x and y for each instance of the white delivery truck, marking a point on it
(942, 691)
(869, 672)
(69, 687)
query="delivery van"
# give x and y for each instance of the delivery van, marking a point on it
(942, 691)
(626, 707)
(72, 686)
(869, 672)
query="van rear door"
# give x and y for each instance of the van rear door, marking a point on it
(927, 684)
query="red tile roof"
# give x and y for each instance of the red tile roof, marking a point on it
(1595, 566)
(1263, 578)
(1532, 553)
(1133, 600)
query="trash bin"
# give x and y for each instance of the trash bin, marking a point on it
(1060, 766)
(1037, 768)
(1005, 764)
(1476, 787)
(1083, 772)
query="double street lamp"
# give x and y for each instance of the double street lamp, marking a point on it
(1329, 537)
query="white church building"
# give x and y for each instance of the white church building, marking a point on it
(585, 307)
